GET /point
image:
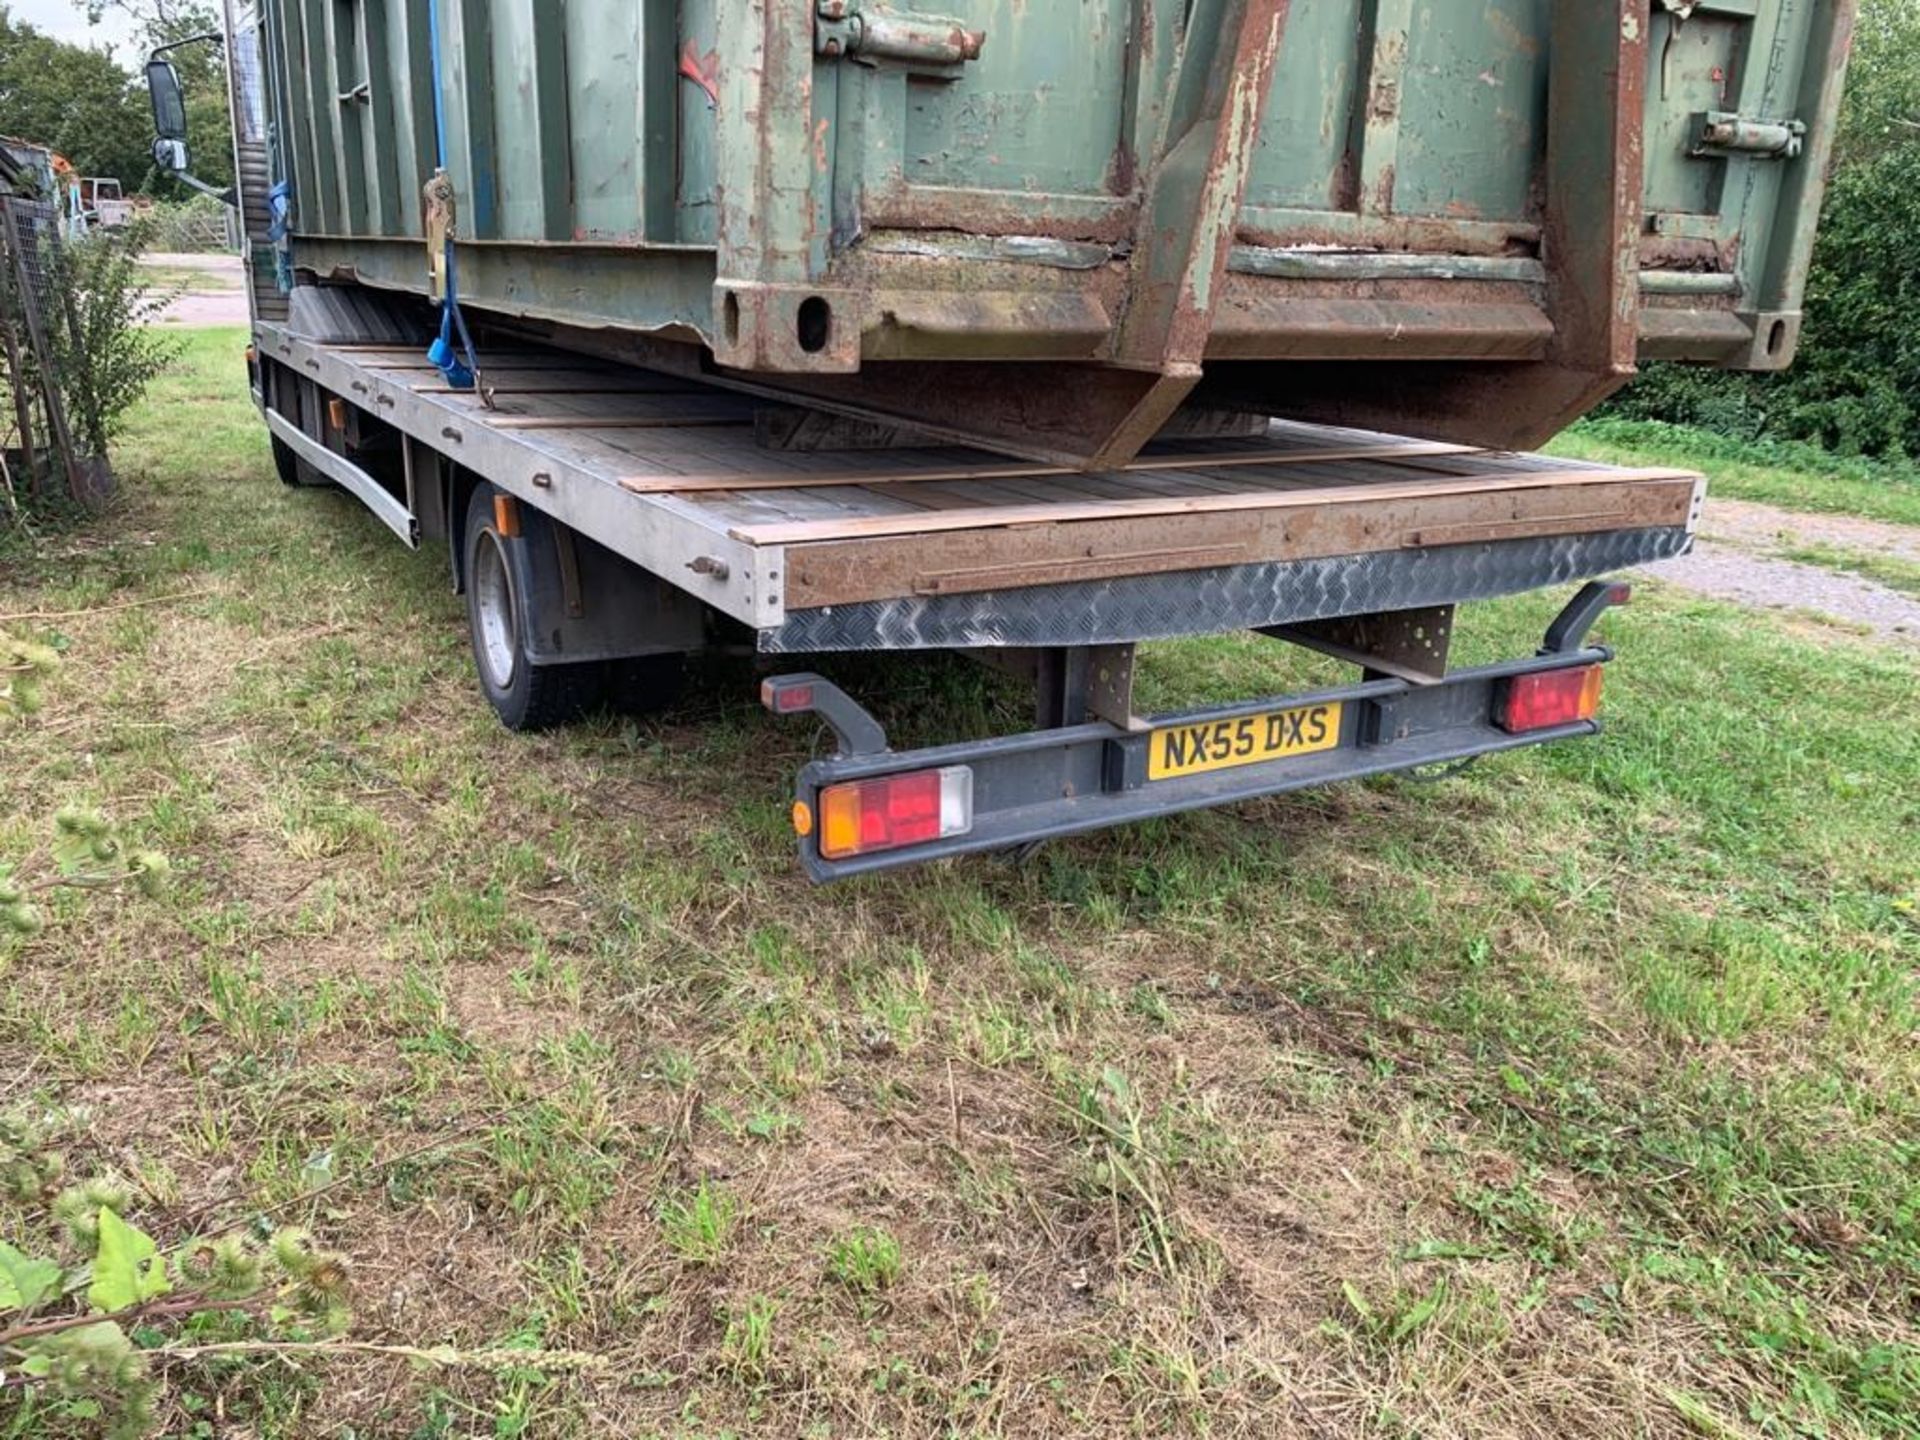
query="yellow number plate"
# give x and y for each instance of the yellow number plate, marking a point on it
(1244, 740)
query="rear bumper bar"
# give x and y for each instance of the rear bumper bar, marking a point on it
(1050, 783)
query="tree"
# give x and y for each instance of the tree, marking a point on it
(73, 99)
(1882, 109)
(170, 19)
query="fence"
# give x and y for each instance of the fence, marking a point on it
(39, 451)
(196, 226)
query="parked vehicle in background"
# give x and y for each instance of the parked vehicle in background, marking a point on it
(831, 328)
(100, 205)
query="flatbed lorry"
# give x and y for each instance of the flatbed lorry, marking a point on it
(614, 501)
(609, 520)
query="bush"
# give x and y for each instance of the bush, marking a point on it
(1855, 386)
(1727, 404)
(107, 352)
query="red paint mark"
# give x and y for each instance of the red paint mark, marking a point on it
(703, 70)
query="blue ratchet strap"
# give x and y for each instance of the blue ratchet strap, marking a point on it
(460, 367)
(280, 233)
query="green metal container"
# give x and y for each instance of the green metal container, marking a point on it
(1048, 225)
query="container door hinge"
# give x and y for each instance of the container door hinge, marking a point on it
(1719, 133)
(844, 28)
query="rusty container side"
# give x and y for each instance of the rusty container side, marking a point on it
(1046, 228)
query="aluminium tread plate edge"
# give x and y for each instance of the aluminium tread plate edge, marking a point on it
(665, 534)
(1222, 599)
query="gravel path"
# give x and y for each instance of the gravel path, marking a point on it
(1738, 557)
(221, 300)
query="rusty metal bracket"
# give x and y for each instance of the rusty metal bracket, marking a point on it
(771, 310)
(441, 210)
(1593, 185)
(1110, 671)
(1719, 133)
(1071, 683)
(1195, 191)
(1410, 645)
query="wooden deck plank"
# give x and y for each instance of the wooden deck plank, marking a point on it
(619, 422)
(666, 411)
(927, 561)
(898, 472)
(592, 404)
(993, 517)
(527, 385)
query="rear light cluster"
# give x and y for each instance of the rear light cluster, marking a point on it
(863, 816)
(1549, 698)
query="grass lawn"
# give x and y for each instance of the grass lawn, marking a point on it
(165, 278)
(1579, 1096)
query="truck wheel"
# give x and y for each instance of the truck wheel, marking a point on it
(288, 466)
(524, 695)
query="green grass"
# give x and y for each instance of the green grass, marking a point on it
(1796, 476)
(1892, 571)
(188, 278)
(698, 1226)
(1576, 1096)
(864, 1259)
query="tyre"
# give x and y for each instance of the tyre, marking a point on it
(287, 464)
(524, 695)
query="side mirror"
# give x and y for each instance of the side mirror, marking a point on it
(170, 120)
(169, 105)
(170, 157)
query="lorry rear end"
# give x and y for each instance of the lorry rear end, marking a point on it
(837, 327)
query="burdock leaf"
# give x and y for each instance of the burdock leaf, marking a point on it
(24, 1281)
(128, 1268)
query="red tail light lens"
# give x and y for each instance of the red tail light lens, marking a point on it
(863, 816)
(786, 699)
(1551, 697)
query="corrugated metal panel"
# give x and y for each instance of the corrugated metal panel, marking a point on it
(1116, 132)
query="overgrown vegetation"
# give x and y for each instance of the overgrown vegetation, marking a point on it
(87, 1311)
(91, 346)
(1575, 1097)
(87, 1299)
